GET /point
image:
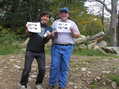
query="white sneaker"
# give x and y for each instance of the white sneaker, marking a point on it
(21, 87)
(28, 87)
(39, 86)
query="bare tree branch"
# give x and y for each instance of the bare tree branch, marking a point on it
(104, 5)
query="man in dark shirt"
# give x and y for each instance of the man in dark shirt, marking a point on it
(35, 49)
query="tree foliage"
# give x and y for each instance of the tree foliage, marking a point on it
(15, 13)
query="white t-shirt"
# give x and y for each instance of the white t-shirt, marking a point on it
(63, 31)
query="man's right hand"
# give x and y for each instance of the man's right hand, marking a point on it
(26, 29)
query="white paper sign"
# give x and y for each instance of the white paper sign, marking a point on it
(34, 27)
(63, 27)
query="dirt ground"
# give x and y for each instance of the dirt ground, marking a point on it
(85, 72)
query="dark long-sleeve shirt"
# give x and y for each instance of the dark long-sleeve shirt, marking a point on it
(37, 41)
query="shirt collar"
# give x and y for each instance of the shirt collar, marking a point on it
(64, 21)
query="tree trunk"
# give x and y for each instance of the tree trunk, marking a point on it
(103, 8)
(113, 24)
(118, 31)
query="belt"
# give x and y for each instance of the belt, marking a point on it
(64, 44)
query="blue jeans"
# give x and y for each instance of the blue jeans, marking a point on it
(60, 61)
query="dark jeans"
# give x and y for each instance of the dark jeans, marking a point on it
(29, 57)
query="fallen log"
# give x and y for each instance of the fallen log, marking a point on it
(90, 39)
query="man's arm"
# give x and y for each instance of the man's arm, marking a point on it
(27, 32)
(49, 35)
(75, 31)
(74, 35)
(46, 39)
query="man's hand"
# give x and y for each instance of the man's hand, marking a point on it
(54, 33)
(47, 34)
(75, 35)
(26, 29)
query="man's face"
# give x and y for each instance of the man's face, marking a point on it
(63, 15)
(45, 19)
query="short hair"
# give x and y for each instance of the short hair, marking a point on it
(43, 14)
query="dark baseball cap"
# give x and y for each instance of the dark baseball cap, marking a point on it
(66, 10)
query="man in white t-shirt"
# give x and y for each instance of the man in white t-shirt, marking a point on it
(65, 32)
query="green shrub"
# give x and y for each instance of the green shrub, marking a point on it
(88, 52)
(9, 41)
(8, 49)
